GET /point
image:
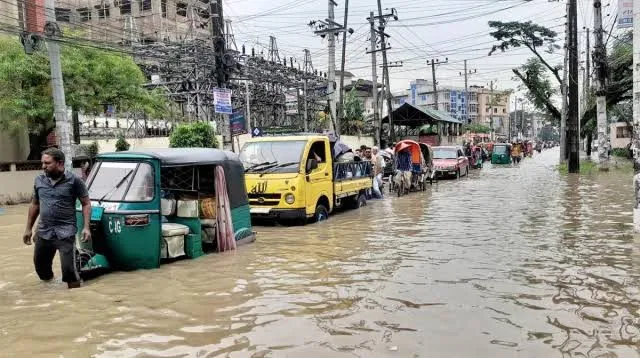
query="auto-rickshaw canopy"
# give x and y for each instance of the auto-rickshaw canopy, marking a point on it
(195, 157)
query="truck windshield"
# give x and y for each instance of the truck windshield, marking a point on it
(276, 156)
(122, 181)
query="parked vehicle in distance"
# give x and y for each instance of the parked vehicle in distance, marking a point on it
(501, 153)
(300, 178)
(450, 161)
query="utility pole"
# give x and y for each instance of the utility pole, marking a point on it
(599, 59)
(563, 91)
(466, 90)
(382, 20)
(308, 68)
(344, 52)
(247, 103)
(636, 115)
(374, 77)
(491, 112)
(63, 126)
(572, 117)
(433, 64)
(329, 28)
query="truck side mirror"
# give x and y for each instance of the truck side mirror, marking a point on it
(312, 164)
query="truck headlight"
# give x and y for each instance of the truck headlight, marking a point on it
(290, 198)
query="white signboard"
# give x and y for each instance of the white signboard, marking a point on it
(625, 13)
(291, 101)
(222, 100)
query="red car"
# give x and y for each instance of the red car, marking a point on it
(450, 161)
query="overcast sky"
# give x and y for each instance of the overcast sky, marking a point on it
(439, 29)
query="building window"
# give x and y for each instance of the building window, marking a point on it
(63, 15)
(504, 110)
(85, 14)
(125, 7)
(146, 5)
(447, 96)
(163, 7)
(495, 110)
(623, 132)
(181, 9)
(424, 98)
(473, 97)
(103, 11)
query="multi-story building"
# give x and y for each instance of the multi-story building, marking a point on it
(493, 108)
(454, 100)
(364, 93)
(119, 21)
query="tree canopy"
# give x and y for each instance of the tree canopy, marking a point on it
(193, 135)
(477, 128)
(353, 120)
(92, 78)
(537, 73)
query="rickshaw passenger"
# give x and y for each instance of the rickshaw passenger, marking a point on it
(404, 166)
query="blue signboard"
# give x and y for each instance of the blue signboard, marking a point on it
(237, 123)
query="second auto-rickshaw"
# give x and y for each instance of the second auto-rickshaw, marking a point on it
(501, 153)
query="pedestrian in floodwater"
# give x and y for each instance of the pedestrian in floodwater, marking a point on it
(54, 199)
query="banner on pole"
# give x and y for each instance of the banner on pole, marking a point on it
(291, 102)
(625, 14)
(222, 100)
(237, 122)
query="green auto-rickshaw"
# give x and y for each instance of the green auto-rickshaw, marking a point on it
(501, 153)
(152, 206)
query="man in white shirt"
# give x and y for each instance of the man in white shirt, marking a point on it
(378, 169)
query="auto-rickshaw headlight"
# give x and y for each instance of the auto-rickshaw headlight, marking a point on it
(290, 198)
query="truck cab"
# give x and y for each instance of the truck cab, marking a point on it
(297, 178)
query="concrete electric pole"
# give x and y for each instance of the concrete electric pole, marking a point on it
(599, 60)
(636, 115)
(563, 94)
(466, 89)
(330, 29)
(342, 64)
(433, 64)
(374, 76)
(63, 126)
(573, 135)
(382, 20)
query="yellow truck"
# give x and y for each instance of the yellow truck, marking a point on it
(297, 178)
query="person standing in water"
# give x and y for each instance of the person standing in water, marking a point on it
(54, 199)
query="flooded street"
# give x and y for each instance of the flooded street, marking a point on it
(510, 262)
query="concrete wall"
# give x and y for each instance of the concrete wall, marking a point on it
(14, 146)
(17, 186)
(620, 135)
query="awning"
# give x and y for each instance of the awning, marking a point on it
(417, 116)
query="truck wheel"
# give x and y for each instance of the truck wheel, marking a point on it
(321, 213)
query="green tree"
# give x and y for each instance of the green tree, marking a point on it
(476, 128)
(122, 144)
(353, 119)
(193, 135)
(534, 74)
(537, 73)
(92, 77)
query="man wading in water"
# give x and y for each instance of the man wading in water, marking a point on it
(54, 199)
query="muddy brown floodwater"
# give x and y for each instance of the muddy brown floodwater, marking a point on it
(511, 262)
